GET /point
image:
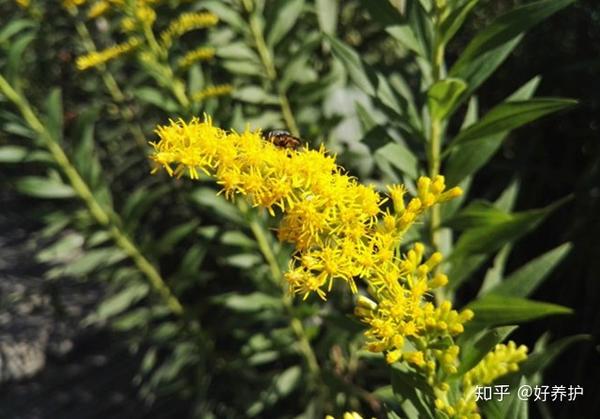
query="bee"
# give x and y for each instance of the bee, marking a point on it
(282, 139)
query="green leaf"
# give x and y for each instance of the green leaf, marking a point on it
(478, 214)
(466, 159)
(227, 14)
(12, 154)
(255, 94)
(497, 310)
(526, 279)
(494, 274)
(174, 235)
(452, 23)
(54, 114)
(285, 17)
(357, 70)
(208, 198)
(537, 362)
(327, 15)
(139, 202)
(488, 238)
(122, 300)
(506, 201)
(500, 37)
(510, 115)
(40, 187)
(157, 98)
(400, 157)
(444, 96)
(281, 386)
(14, 57)
(477, 347)
(415, 394)
(404, 34)
(13, 27)
(421, 25)
(93, 260)
(246, 303)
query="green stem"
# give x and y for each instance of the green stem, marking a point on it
(295, 323)
(104, 217)
(436, 133)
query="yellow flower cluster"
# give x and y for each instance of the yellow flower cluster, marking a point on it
(343, 230)
(212, 91)
(401, 310)
(187, 22)
(98, 9)
(503, 360)
(94, 59)
(198, 54)
(347, 415)
(72, 4)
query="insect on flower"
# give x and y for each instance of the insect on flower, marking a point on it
(282, 139)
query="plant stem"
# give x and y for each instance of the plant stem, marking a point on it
(436, 133)
(295, 323)
(267, 62)
(104, 217)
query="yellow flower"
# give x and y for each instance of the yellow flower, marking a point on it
(23, 4)
(347, 415)
(72, 4)
(502, 360)
(187, 22)
(212, 91)
(98, 9)
(94, 59)
(199, 54)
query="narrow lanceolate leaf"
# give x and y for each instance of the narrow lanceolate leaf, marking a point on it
(444, 96)
(421, 25)
(14, 57)
(504, 31)
(510, 115)
(452, 23)
(537, 362)
(404, 34)
(466, 159)
(357, 70)
(526, 279)
(54, 114)
(400, 157)
(499, 310)
(327, 15)
(488, 238)
(14, 27)
(40, 187)
(478, 214)
(284, 19)
(12, 154)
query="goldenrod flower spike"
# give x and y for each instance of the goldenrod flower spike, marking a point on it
(94, 59)
(210, 91)
(187, 22)
(198, 54)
